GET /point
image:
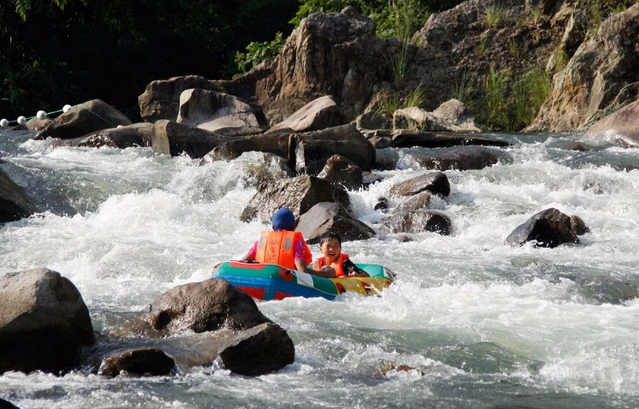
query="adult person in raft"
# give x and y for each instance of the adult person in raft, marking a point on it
(284, 246)
(331, 248)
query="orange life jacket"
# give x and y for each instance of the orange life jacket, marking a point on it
(337, 264)
(276, 247)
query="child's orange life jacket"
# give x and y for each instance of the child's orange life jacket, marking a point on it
(336, 264)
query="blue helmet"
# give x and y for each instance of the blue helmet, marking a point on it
(283, 219)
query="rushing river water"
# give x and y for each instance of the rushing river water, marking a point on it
(470, 323)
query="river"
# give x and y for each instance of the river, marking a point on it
(470, 323)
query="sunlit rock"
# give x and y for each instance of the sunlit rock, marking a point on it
(320, 113)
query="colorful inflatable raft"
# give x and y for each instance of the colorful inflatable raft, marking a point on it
(273, 282)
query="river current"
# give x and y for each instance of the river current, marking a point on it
(470, 323)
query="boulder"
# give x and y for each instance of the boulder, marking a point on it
(454, 113)
(204, 306)
(37, 124)
(418, 118)
(435, 183)
(373, 120)
(620, 128)
(140, 361)
(84, 119)
(172, 138)
(320, 113)
(419, 221)
(419, 201)
(7, 405)
(332, 216)
(343, 172)
(250, 344)
(386, 159)
(407, 138)
(161, 98)
(313, 149)
(139, 134)
(279, 143)
(43, 322)
(15, 204)
(217, 112)
(598, 79)
(458, 158)
(263, 349)
(299, 194)
(548, 228)
(578, 226)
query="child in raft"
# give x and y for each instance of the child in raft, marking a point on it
(331, 248)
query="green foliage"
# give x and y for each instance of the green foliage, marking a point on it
(416, 97)
(493, 14)
(505, 103)
(391, 102)
(257, 52)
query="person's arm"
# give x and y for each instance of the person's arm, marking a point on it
(352, 270)
(327, 272)
(249, 256)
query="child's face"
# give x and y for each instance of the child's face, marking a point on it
(331, 249)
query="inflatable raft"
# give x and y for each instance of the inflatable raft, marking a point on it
(273, 282)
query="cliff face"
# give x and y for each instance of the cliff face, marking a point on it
(601, 77)
(338, 54)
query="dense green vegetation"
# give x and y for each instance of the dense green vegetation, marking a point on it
(68, 51)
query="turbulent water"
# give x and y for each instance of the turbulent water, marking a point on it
(470, 323)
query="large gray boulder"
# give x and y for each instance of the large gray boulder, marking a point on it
(219, 112)
(44, 322)
(161, 98)
(84, 119)
(15, 204)
(204, 306)
(313, 149)
(172, 138)
(332, 216)
(620, 128)
(255, 346)
(277, 143)
(194, 325)
(299, 194)
(318, 114)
